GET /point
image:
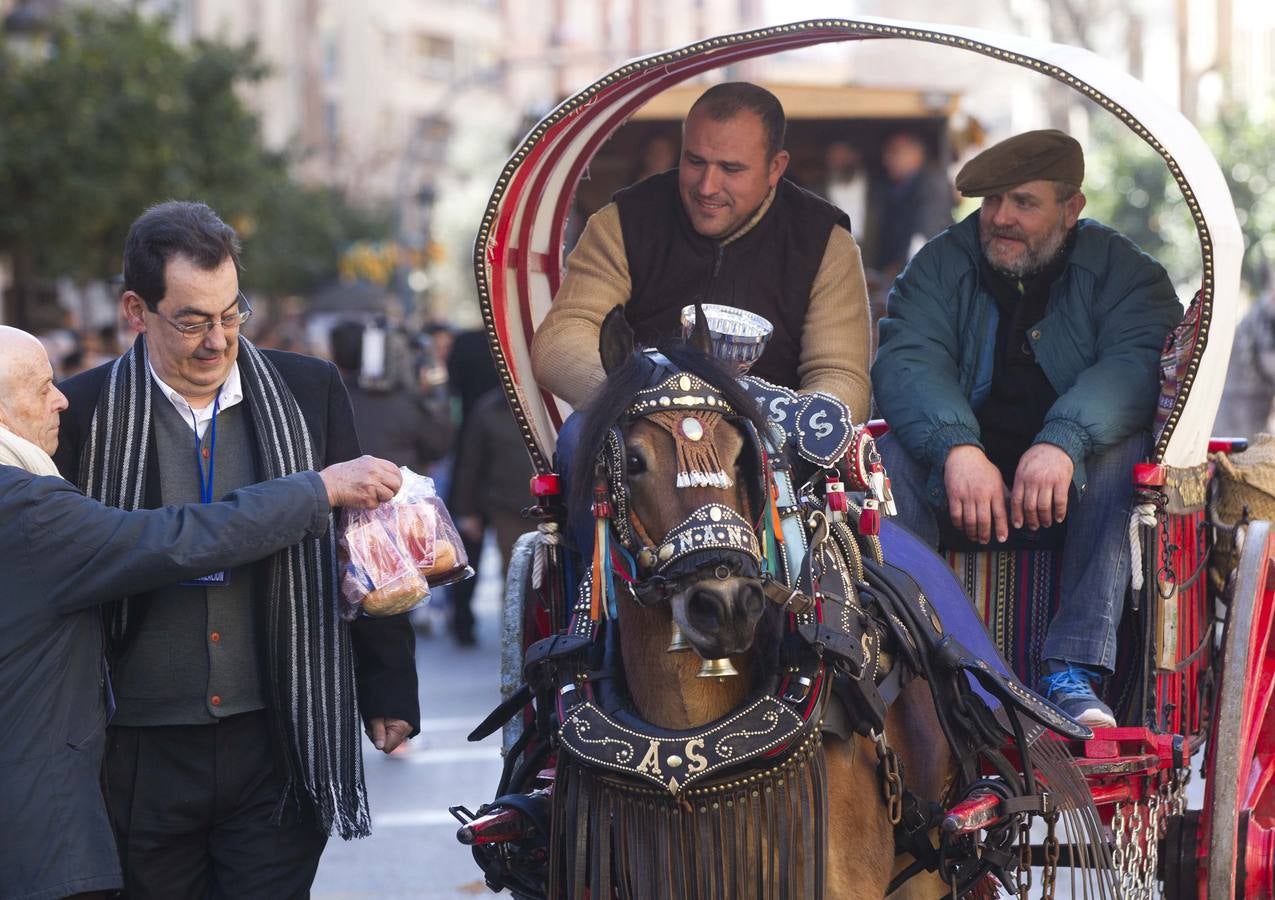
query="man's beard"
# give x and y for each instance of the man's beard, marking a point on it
(1034, 259)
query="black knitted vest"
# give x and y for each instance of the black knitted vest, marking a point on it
(768, 271)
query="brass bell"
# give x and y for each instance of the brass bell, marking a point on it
(677, 641)
(717, 668)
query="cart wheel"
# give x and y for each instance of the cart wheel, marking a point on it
(515, 632)
(1239, 801)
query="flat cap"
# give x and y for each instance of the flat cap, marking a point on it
(1048, 155)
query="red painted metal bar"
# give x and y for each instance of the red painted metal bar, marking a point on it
(968, 816)
(1228, 444)
(1149, 475)
(493, 828)
(1259, 873)
(1107, 794)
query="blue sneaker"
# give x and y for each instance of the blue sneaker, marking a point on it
(1071, 690)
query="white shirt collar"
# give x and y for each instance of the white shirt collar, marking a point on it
(231, 393)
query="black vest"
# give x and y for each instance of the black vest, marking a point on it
(768, 271)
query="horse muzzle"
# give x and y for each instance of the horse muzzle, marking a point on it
(719, 617)
(708, 567)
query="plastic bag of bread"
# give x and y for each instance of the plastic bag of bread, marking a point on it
(381, 578)
(429, 535)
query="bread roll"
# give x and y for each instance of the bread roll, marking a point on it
(398, 596)
(444, 559)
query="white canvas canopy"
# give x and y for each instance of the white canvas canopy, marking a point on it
(518, 254)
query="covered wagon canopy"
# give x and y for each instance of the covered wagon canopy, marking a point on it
(518, 254)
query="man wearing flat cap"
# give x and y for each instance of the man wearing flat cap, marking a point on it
(1019, 370)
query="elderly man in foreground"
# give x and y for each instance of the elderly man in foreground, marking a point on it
(1019, 370)
(62, 554)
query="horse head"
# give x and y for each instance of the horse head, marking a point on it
(676, 442)
(714, 593)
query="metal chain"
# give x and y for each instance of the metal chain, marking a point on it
(1024, 874)
(1167, 549)
(1181, 778)
(1124, 857)
(1049, 873)
(1138, 854)
(1138, 828)
(1151, 843)
(1117, 831)
(892, 781)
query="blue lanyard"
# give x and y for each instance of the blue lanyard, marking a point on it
(206, 489)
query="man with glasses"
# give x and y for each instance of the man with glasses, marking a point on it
(234, 750)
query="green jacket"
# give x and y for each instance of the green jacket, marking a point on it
(1099, 345)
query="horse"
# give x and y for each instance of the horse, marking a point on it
(722, 612)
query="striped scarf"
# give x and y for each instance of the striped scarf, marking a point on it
(310, 658)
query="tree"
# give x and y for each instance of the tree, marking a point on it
(1129, 187)
(295, 246)
(115, 117)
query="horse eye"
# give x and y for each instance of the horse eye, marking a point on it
(634, 462)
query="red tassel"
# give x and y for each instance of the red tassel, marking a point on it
(835, 495)
(870, 518)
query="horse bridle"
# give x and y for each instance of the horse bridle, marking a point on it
(714, 540)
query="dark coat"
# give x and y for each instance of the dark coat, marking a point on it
(61, 554)
(385, 648)
(401, 426)
(492, 473)
(1099, 345)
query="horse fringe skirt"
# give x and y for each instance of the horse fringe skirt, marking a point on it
(759, 835)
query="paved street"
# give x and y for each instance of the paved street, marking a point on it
(413, 852)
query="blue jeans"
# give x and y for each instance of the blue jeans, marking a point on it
(1095, 558)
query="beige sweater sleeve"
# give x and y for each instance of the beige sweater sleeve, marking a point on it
(834, 341)
(564, 350)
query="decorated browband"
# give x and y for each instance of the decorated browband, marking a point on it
(690, 410)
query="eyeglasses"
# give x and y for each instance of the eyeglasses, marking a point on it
(228, 323)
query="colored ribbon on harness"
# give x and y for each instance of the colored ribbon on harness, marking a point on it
(772, 529)
(599, 602)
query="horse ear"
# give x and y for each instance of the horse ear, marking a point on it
(701, 338)
(615, 340)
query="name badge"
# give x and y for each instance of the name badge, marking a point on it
(212, 579)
